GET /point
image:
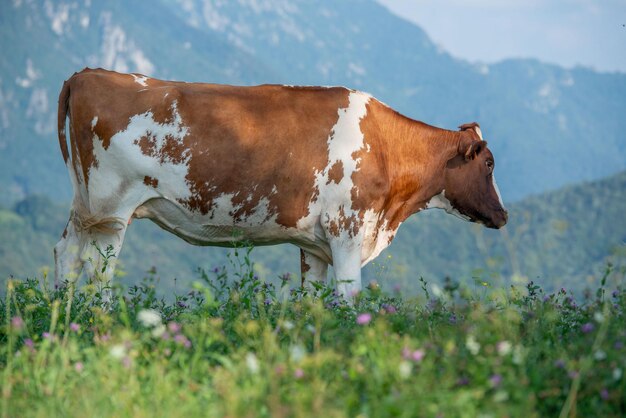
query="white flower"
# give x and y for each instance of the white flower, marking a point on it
(296, 353)
(518, 354)
(472, 345)
(598, 317)
(599, 355)
(158, 330)
(504, 348)
(149, 317)
(117, 351)
(617, 373)
(288, 325)
(405, 369)
(252, 363)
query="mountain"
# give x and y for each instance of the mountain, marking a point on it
(548, 126)
(563, 238)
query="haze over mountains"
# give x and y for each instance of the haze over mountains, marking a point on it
(547, 126)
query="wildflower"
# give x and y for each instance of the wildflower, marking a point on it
(127, 362)
(48, 336)
(417, 355)
(296, 353)
(29, 343)
(17, 323)
(288, 325)
(165, 336)
(182, 340)
(617, 373)
(404, 369)
(174, 327)
(598, 317)
(503, 348)
(573, 374)
(472, 345)
(495, 380)
(354, 293)
(559, 364)
(364, 318)
(298, 373)
(74, 327)
(158, 330)
(599, 355)
(78, 366)
(310, 328)
(463, 381)
(117, 351)
(149, 317)
(390, 309)
(252, 363)
(587, 328)
(267, 301)
(618, 345)
(604, 394)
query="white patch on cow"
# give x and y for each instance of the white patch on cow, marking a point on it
(495, 186)
(376, 236)
(120, 169)
(224, 210)
(346, 138)
(140, 79)
(94, 121)
(440, 201)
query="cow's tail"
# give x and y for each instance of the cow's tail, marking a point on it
(64, 101)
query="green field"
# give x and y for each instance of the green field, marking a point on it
(235, 346)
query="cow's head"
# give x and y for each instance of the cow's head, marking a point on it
(470, 189)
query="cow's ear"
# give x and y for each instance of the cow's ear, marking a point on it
(469, 148)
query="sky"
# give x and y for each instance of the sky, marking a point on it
(591, 33)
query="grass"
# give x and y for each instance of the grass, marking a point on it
(234, 346)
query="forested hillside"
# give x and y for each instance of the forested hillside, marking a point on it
(562, 238)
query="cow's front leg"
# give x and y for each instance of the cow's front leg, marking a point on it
(347, 265)
(312, 267)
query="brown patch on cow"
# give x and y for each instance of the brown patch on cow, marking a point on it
(351, 224)
(403, 167)
(335, 174)
(252, 142)
(150, 181)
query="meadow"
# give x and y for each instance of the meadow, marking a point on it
(234, 346)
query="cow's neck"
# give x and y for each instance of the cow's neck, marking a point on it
(417, 163)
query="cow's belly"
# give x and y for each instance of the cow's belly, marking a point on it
(220, 229)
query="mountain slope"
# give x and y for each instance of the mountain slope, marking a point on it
(558, 239)
(547, 126)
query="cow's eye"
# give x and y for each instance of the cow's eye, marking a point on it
(489, 165)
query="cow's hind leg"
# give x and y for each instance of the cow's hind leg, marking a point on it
(99, 257)
(67, 261)
(312, 268)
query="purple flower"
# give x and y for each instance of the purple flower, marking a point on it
(47, 336)
(618, 345)
(29, 343)
(174, 327)
(615, 294)
(587, 328)
(79, 366)
(364, 318)
(267, 301)
(604, 394)
(74, 327)
(17, 323)
(559, 364)
(298, 373)
(463, 381)
(495, 380)
(417, 355)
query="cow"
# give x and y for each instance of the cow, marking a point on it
(331, 170)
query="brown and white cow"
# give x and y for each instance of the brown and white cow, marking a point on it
(330, 170)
